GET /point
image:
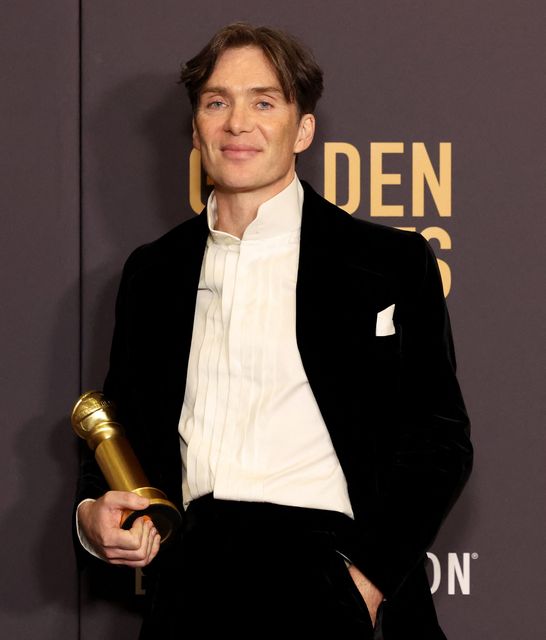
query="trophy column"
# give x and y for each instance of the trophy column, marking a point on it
(94, 420)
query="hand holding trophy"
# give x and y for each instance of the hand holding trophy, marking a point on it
(94, 420)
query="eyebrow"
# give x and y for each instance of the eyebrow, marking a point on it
(255, 90)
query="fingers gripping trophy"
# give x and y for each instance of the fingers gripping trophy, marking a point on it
(94, 420)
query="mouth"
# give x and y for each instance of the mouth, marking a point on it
(239, 151)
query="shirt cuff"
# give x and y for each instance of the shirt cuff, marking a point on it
(81, 535)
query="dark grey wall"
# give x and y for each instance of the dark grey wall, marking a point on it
(468, 73)
(39, 337)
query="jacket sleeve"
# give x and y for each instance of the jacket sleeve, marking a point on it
(91, 482)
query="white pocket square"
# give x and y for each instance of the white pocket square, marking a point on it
(384, 325)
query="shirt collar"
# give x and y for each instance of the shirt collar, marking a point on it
(278, 216)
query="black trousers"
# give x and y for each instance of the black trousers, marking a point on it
(257, 570)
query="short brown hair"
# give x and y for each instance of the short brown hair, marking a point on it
(298, 73)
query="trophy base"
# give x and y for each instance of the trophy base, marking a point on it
(164, 514)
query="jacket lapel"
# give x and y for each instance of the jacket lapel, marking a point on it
(175, 321)
(338, 296)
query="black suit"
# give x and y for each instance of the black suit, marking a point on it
(392, 404)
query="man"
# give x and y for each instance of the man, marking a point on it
(286, 374)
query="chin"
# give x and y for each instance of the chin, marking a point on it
(237, 183)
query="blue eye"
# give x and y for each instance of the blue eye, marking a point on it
(263, 104)
(215, 104)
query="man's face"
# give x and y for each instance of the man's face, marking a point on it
(245, 128)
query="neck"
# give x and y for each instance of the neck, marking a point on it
(236, 210)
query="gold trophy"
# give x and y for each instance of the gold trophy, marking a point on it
(94, 420)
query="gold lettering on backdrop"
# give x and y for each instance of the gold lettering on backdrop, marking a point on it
(444, 240)
(440, 187)
(195, 181)
(331, 151)
(378, 179)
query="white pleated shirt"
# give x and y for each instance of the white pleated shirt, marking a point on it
(250, 428)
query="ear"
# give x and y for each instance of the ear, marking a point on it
(195, 136)
(306, 132)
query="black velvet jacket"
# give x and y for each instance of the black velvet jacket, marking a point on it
(392, 404)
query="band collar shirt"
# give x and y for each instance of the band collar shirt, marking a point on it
(250, 428)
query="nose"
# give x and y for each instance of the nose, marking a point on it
(239, 119)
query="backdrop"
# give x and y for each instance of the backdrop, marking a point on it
(431, 120)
